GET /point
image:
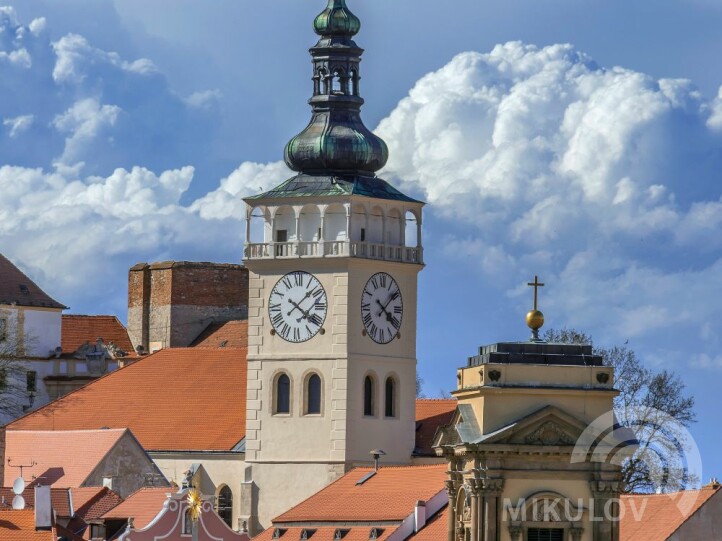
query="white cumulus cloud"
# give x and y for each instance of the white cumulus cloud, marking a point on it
(605, 180)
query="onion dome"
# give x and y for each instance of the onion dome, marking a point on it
(337, 20)
(336, 142)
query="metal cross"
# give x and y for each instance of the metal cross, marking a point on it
(536, 284)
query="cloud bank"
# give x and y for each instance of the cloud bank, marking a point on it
(536, 161)
(606, 181)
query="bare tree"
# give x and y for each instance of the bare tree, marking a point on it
(14, 376)
(654, 404)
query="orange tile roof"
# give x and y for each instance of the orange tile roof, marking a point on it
(389, 495)
(77, 330)
(176, 399)
(230, 334)
(143, 505)
(62, 458)
(325, 533)
(659, 514)
(82, 497)
(430, 415)
(91, 503)
(17, 288)
(20, 526)
(435, 529)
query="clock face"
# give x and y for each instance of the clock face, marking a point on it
(382, 308)
(297, 306)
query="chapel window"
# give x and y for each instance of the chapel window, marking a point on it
(369, 395)
(224, 505)
(313, 394)
(283, 394)
(390, 402)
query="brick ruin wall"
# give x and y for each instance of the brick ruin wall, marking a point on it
(171, 303)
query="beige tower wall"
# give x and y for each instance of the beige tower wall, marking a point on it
(303, 453)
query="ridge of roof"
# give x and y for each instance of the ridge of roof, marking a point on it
(17, 288)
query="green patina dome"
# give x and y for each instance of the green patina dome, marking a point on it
(337, 20)
(336, 141)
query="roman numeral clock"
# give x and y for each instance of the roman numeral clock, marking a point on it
(297, 306)
(333, 255)
(382, 308)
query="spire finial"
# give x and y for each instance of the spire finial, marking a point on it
(336, 141)
(535, 319)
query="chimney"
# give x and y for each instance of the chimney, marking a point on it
(43, 508)
(419, 515)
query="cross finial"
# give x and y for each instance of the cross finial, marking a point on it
(535, 319)
(536, 284)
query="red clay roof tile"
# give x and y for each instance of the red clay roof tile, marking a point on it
(430, 415)
(143, 505)
(62, 458)
(230, 334)
(655, 517)
(325, 533)
(176, 399)
(20, 526)
(389, 495)
(78, 330)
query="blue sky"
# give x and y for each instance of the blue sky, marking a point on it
(577, 140)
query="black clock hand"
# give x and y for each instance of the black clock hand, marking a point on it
(297, 307)
(383, 309)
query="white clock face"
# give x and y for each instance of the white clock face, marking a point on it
(382, 308)
(297, 306)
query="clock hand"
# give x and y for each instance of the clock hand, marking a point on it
(383, 309)
(297, 307)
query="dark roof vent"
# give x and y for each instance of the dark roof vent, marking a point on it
(278, 533)
(24, 289)
(375, 533)
(307, 533)
(340, 533)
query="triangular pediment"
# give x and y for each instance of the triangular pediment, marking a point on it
(546, 426)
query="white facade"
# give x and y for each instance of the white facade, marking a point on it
(342, 243)
(31, 334)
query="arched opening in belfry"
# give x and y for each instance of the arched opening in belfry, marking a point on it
(310, 224)
(353, 82)
(337, 82)
(412, 230)
(284, 225)
(376, 226)
(359, 223)
(393, 228)
(260, 226)
(323, 79)
(335, 223)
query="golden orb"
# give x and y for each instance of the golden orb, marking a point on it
(535, 320)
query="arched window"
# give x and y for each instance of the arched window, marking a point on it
(187, 523)
(283, 394)
(313, 394)
(224, 505)
(390, 397)
(369, 395)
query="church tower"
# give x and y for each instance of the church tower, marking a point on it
(332, 297)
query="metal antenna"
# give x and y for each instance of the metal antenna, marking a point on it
(21, 466)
